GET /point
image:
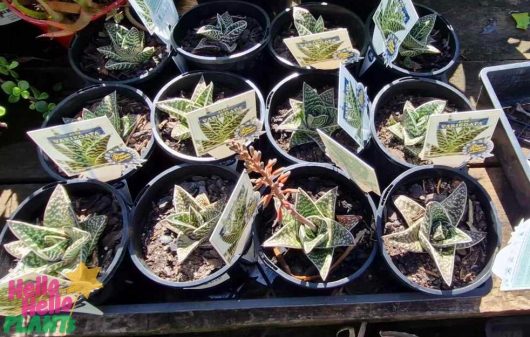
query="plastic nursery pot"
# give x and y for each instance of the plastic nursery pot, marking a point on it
(288, 88)
(246, 62)
(72, 106)
(32, 209)
(152, 193)
(416, 175)
(272, 7)
(227, 82)
(388, 165)
(335, 17)
(363, 8)
(45, 27)
(328, 173)
(146, 81)
(379, 74)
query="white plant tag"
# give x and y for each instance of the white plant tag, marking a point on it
(353, 106)
(454, 138)
(393, 21)
(6, 15)
(158, 16)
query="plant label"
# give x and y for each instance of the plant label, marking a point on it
(326, 50)
(158, 16)
(235, 224)
(353, 108)
(6, 15)
(89, 148)
(233, 118)
(356, 169)
(454, 138)
(393, 20)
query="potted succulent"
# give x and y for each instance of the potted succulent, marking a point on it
(119, 53)
(85, 221)
(399, 116)
(317, 231)
(223, 36)
(310, 19)
(298, 106)
(172, 223)
(189, 92)
(272, 7)
(61, 20)
(448, 215)
(126, 107)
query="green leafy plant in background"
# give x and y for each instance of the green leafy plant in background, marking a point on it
(417, 41)
(180, 107)
(57, 245)
(434, 229)
(193, 220)
(85, 153)
(305, 23)
(222, 36)
(127, 50)
(221, 128)
(315, 111)
(413, 125)
(452, 140)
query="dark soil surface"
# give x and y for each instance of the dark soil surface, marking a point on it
(250, 37)
(430, 62)
(520, 123)
(311, 151)
(159, 243)
(419, 267)
(92, 62)
(346, 204)
(393, 110)
(289, 30)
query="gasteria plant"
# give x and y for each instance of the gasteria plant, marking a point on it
(305, 23)
(222, 36)
(308, 225)
(59, 244)
(127, 50)
(180, 107)
(434, 229)
(193, 220)
(417, 41)
(316, 111)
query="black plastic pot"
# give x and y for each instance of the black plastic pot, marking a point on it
(387, 166)
(378, 74)
(148, 82)
(73, 104)
(494, 225)
(340, 16)
(272, 7)
(334, 174)
(152, 192)
(33, 207)
(247, 62)
(186, 83)
(363, 8)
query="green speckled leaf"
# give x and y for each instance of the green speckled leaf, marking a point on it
(409, 209)
(95, 226)
(305, 205)
(59, 212)
(326, 203)
(455, 204)
(321, 259)
(408, 239)
(185, 246)
(286, 237)
(17, 249)
(444, 258)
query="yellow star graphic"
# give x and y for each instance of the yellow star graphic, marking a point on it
(84, 280)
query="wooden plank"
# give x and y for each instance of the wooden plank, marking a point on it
(20, 164)
(11, 196)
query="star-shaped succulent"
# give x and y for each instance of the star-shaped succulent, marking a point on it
(434, 230)
(222, 36)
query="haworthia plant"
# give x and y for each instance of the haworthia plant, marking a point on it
(180, 107)
(193, 220)
(59, 244)
(434, 229)
(305, 23)
(417, 41)
(222, 36)
(87, 152)
(413, 125)
(452, 140)
(318, 245)
(127, 50)
(316, 111)
(108, 106)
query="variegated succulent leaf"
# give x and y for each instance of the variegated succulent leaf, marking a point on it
(224, 34)
(305, 23)
(417, 41)
(59, 212)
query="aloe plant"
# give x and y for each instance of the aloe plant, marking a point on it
(305, 23)
(413, 125)
(59, 244)
(87, 152)
(180, 107)
(193, 220)
(127, 50)
(434, 229)
(222, 36)
(417, 41)
(317, 243)
(315, 111)
(453, 140)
